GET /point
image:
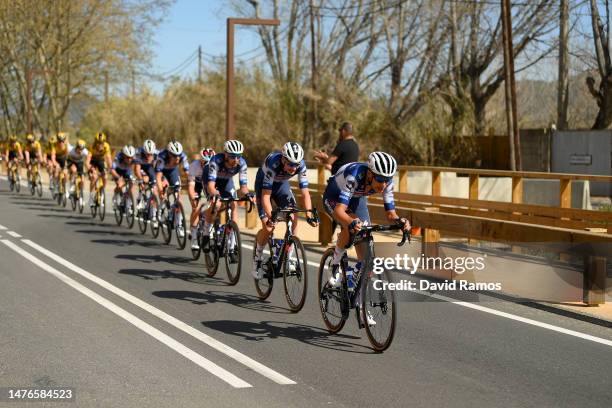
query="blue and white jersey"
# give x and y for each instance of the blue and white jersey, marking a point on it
(274, 172)
(350, 182)
(196, 171)
(218, 171)
(121, 162)
(141, 158)
(163, 162)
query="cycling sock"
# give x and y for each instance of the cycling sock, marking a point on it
(338, 254)
(194, 232)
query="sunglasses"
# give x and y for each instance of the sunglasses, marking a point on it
(292, 165)
(381, 179)
(233, 156)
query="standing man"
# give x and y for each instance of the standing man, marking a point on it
(346, 151)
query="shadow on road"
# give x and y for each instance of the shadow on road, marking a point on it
(174, 260)
(269, 330)
(231, 298)
(129, 242)
(72, 217)
(120, 233)
(187, 276)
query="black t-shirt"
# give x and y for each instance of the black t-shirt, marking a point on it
(347, 151)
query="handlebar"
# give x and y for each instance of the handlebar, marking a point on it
(292, 210)
(367, 230)
(246, 198)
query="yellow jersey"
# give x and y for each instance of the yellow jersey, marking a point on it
(59, 151)
(32, 148)
(100, 150)
(48, 148)
(13, 147)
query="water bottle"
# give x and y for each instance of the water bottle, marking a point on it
(350, 283)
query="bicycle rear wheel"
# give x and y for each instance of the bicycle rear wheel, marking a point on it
(295, 276)
(233, 252)
(333, 302)
(264, 285)
(379, 302)
(180, 227)
(39, 185)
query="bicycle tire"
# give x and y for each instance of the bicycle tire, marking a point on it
(300, 274)
(335, 320)
(154, 220)
(164, 223)
(180, 225)
(382, 304)
(140, 214)
(264, 285)
(80, 199)
(17, 181)
(211, 258)
(232, 276)
(117, 208)
(93, 209)
(31, 184)
(101, 203)
(130, 214)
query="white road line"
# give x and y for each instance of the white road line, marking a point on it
(201, 361)
(13, 234)
(217, 345)
(520, 319)
(247, 246)
(3, 228)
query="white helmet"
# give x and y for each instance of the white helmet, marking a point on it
(233, 147)
(149, 146)
(293, 152)
(382, 163)
(175, 148)
(129, 150)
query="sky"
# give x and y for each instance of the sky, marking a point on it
(193, 23)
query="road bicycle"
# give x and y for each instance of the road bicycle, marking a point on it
(224, 239)
(171, 216)
(99, 206)
(34, 179)
(360, 289)
(146, 209)
(14, 177)
(123, 204)
(287, 259)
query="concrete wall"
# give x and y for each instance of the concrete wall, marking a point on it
(594, 145)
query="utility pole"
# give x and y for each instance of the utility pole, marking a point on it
(105, 86)
(563, 85)
(199, 63)
(314, 74)
(229, 112)
(510, 87)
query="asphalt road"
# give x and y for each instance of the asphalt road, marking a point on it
(125, 320)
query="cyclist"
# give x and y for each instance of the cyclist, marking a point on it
(272, 183)
(59, 154)
(144, 169)
(121, 169)
(100, 159)
(195, 187)
(48, 162)
(32, 150)
(13, 152)
(218, 175)
(167, 166)
(345, 200)
(76, 157)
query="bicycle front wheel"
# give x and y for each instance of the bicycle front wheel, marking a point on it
(101, 200)
(295, 276)
(142, 213)
(164, 222)
(264, 285)
(80, 199)
(152, 208)
(94, 208)
(17, 181)
(180, 227)
(117, 207)
(211, 258)
(233, 252)
(378, 303)
(129, 210)
(333, 302)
